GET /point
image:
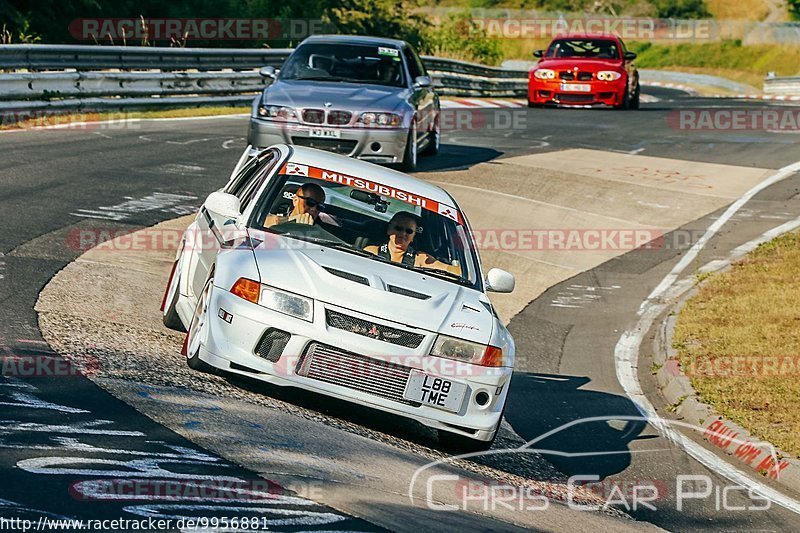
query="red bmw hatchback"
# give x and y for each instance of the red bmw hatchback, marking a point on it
(585, 70)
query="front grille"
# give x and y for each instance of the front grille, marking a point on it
(576, 98)
(337, 146)
(370, 376)
(372, 330)
(348, 275)
(314, 116)
(271, 345)
(339, 118)
(569, 75)
(408, 292)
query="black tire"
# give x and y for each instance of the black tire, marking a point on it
(460, 444)
(170, 315)
(193, 360)
(634, 104)
(534, 106)
(626, 101)
(434, 138)
(409, 163)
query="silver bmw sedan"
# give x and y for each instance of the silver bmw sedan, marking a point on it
(365, 97)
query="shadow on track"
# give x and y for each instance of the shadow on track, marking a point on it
(542, 404)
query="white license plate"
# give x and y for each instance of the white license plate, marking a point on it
(325, 132)
(576, 87)
(435, 392)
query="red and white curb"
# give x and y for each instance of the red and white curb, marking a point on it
(769, 97)
(670, 290)
(483, 103)
(497, 103)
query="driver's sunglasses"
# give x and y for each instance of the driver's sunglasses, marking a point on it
(401, 229)
(310, 202)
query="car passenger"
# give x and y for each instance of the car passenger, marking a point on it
(401, 231)
(306, 206)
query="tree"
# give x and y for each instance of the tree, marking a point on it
(379, 18)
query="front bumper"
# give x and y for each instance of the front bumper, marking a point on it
(378, 145)
(232, 347)
(611, 93)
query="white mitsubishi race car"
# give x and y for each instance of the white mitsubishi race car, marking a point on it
(314, 270)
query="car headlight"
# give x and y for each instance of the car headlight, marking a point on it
(544, 74)
(608, 75)
(379, 119)
(276, 299)
(470, 352)
(277, 112)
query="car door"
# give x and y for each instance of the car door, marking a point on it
(216, 230)
(423, 99)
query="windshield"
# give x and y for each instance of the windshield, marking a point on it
(377, 65)
(584, 49)
(349, 216)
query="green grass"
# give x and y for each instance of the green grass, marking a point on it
(73, 118)
(730, 335)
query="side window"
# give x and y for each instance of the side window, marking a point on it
(242, 178)
(414, 65)
(418, 61)
(265, 166)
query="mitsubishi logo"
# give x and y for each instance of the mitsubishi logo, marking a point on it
(373, 331)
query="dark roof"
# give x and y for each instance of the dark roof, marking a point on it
(355, 39)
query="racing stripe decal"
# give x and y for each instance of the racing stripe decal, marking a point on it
(293, 169)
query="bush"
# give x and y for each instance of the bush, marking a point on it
(379, 18)
(460, 37)
(794, 9)
(681, 9)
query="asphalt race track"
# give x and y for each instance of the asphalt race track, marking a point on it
(56, 432)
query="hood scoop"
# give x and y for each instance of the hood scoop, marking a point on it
(347, 275)
(408, 292)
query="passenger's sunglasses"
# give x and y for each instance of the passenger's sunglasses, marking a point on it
(310, 202)
(401, 229)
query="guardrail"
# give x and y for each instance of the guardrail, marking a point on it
(116, 77)
(789, 85)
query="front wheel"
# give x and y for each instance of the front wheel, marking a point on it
(410, 154)
(169, 315)
(634, 104)
(198, 329)
(434, 139)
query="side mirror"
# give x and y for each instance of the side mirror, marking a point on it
(223, 204)
(498, 280)
(268, 72)
(422, 81)
(630, 56)
(538, 53)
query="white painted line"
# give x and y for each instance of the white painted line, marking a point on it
(539, 202)
(626, 352)
(691, 255)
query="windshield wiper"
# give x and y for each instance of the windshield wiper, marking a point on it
(442, 273)
(319, 78)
